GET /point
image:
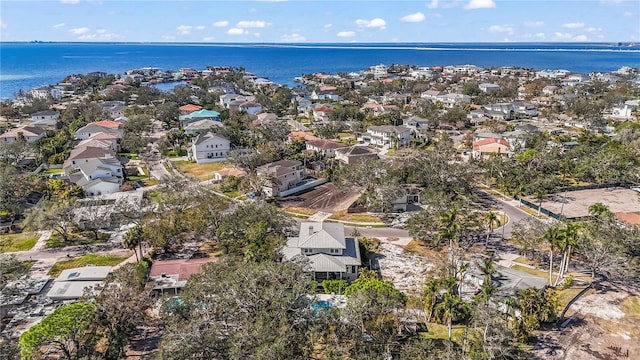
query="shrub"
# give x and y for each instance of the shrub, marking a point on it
(334, 286)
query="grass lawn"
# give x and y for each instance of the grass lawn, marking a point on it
(130, 156)
(18, 242)
(631, 305)
(89, 259)
(565, 295)
(203, 171)
(440, 332)
(535, 272)
(167, 167)
(52, 171)
(76, 238)
(344, 216)
(416, 247)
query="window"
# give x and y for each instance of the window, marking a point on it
(306, 251)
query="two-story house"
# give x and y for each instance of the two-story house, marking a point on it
(209, 147)
(30, 133)
(281, 175)
(202, 114)
(93, 128)
(387, 136)
(227, 98)
(331, 255)
(323, 146)
(356, 154)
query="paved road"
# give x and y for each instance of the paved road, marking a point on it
(508, 206)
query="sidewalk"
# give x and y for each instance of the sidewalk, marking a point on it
(42, 241)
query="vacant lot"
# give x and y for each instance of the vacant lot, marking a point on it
(18, 242)
(326, 198)
(202, 171)
(577, 203)
(90, 259)
(76, 238)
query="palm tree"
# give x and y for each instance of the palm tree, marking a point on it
(540, 194)
(553, 236)
(567, 240)
(449, 309)
(600, 211)
(492, 219)
(133, 239)
(449, 229)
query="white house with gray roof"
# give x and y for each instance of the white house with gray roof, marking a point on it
(209, 147)
(331, 255)
(387, 136)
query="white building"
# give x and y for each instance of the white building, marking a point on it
(331, 255)
(209, 147)
(387, 136)
(30, 133)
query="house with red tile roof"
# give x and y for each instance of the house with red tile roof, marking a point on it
(189, 108)
(491, 146)
(109, 124)
(172, 275)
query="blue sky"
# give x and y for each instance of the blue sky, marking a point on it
(320, 21)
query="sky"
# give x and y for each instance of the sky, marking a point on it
(326, 21)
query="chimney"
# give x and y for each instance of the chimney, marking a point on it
(310, 229)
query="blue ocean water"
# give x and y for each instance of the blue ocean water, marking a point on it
(28, 65)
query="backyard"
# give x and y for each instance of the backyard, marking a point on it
(202, 171)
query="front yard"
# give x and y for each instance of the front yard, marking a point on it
(202, 171)
(356, 218)
(89, 259)
(76, 238)
(18, 242)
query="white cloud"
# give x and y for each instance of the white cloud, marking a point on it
(208, 38)
(373, 23)
(101, 31)
(327, 26)
(580, 38)
(540, 35)
(628, 14)
(222, 23)
(533, 23)
(433, 4)
(80, 31)
(184, 29)
(168, 37)
(594, 30)
(57, 26)
(237, 31)
(3, 25)
(501, 29)
(480, 4)
(574, 25)
(562, 36)
(256, 34)
(417, 17)
(69, 1)
(292, 38)
(200, 27)
(346, 34)
(252, 24)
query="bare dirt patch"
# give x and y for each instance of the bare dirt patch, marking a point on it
(326, 198)
(407, 270)
(603, 329)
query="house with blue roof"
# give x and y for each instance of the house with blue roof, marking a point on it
(203, 114)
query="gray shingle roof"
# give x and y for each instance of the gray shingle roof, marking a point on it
(321, 235)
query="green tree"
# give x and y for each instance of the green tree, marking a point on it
(133, 239)
(57, 215)
(492, 219)
(70, 329)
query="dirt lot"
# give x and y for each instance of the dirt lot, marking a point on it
(405, 269)
(325, 198)
(606, 327)
(577, 202)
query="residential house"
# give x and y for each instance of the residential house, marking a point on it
(626, 110)
(331, 255)
(97, 141)
(82, 154)
(549, 90)
(93, 128)
(265, 118)
(227, 98)
(45, 115)
(321, 113)
(30, 133)
(97, 176)
(486, 87)
(74, 283)
(387, 136)
(325, 95)
(199, 115)
(189, 108)
(201, 126)
(222, 174)
(415, 123)
(40, 93)
(172, 275)
(452, 99)
(301, 135)
(525, 108)
(432, 95)
(209, 147)
(281, 176)
(304, 105)
(114, 109)
(484, 148)
(250, 107)
(323, 146)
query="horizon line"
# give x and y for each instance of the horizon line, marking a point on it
(312, 43)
